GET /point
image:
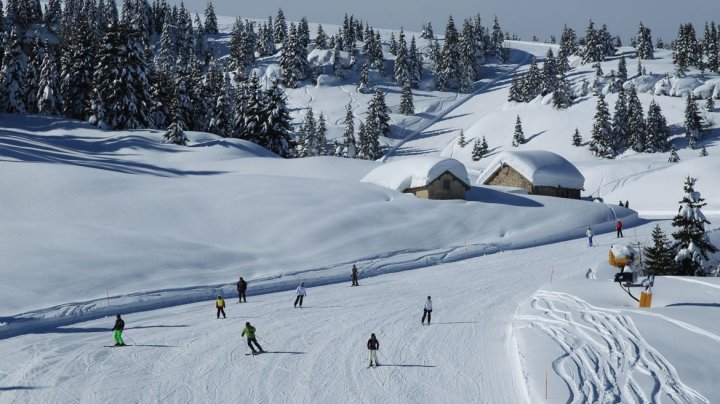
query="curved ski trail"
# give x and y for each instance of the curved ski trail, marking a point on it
(605, 358)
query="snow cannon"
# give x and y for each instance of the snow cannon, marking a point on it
(624, 257)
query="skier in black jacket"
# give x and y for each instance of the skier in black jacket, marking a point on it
(117, 331)
(373, 345)
(241, 288)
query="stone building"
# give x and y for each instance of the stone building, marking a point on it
(426, 177)
(539, 172)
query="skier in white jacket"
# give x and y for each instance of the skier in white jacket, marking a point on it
(301, 293)
(427, 310)
(589, 234)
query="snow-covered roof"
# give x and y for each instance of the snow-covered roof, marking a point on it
(541, 167)
(415, 172)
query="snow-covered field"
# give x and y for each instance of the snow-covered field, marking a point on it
(97, 223)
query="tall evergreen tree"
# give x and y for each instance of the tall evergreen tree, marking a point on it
(415, 63)
(450, 64)
(276, 134)
(691, 241)
(378, 120)
(515, 93)
(693, 123)
(32, 73)
(568, 47)
(321, 135)
(49, 100)
(532, 82)
(162, 94)
(549, 73)
(12, 76)
(175, 133)
(620, 124)
(280, 30)
(636, 123)
(406, 101)
(303, 32)
(321, 38)
(337, 63)
(656, 130)
(363, 85)
(349, 149)
(601, 135)
(307, 136)
(644, 48)
(480, 149)
(659, 258)
(594, 47)
(518, 136)
(622, 73)
(462, 142)
(562, 96)
(210, 19)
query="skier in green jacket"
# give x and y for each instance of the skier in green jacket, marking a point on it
(249, 333)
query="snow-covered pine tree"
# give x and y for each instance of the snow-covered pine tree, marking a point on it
(690, 240)
(363, 147)
(568, 47)
(221, 121)
(480, 149)
(518, 135)
(435, 54)
(549, 73)
(321, 135)
(378, 61)
(275, 133)
(562, 96)
(674, 158)
(703, 152)
(293, 60)
(166, 55)
(620, 122)
(496, 41)
(712, 48)
(594, 47)
(321, 38)
(636, 124)
(450, 63)
(685, 52)
(427, 31)
(280, 31)
(609, 43)
(12, 80)
(532, 82)
(401, 72)
(622, 73)
(350, 149)
(369, 145)
(515, 92)
(363, 85)
(307, 140)
(462, 142)
(161, 92)
(415, 63)
(601, 134)
(202, 48)
(392, 47)
(49, 100)
(693, 123)
(210, 19)
(576, 138)
(710, 103)
(378, 119)
(471, 53)
(52, 17)
(659, 258)
(303, 32)
(32, 73)
(644, 47)
(337, 63)
(656, 130)
(406, 100)
(253, 112)
(175, 133)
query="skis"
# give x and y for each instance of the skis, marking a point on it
(255, 353)
(116, 346)
(373, 366)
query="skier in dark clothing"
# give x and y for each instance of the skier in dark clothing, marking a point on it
(627, 204)
(373, 345)
(618, 227)
(249, 333)
(427, 310)
(241, 288)
(621, 204)
(354, 276)
(118, 330)
(220, 306)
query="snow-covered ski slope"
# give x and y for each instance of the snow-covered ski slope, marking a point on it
(96, 223)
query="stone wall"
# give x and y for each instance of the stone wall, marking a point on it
(446, 186)
(507, 176)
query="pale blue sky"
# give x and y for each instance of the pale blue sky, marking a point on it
(525, 17)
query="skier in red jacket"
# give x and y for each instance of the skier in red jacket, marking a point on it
(618, 227)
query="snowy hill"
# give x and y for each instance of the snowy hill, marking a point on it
(98, 223)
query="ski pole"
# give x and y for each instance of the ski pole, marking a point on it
(131, 340)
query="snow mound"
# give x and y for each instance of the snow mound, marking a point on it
(541, 167)
(415, 172)
(320, 57)
(644, 84)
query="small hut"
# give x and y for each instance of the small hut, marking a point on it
(539, 172)
(426, 177)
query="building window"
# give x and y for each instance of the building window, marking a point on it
(446, 185)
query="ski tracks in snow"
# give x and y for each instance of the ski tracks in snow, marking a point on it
(604, 357)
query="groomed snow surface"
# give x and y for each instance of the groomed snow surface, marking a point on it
(95, 223)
